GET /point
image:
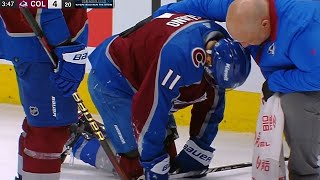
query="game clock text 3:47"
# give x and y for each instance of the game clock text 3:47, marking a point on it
(8, 4)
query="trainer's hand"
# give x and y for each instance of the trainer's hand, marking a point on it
(71, 68)
(267, 93)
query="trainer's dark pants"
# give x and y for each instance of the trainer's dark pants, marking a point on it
(302, 132)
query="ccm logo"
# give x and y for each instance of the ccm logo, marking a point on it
(196, 153)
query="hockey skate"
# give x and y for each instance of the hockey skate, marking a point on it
(81, 128)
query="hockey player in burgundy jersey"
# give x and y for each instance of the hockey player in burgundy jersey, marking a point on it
(45, 94)
(283, 37)
(138, 81)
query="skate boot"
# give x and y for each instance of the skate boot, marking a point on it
(80, 129)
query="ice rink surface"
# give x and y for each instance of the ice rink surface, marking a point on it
(231, 148)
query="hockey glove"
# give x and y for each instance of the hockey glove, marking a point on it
(131, 166)
(194, 156)
(157, 169)
(71, 68)
(267, 93)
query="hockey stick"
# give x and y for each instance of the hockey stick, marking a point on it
(211, 170)
(95, 128)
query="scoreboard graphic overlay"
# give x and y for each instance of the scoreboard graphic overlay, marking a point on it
(56, 4)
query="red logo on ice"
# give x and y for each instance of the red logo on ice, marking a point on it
(33, 3)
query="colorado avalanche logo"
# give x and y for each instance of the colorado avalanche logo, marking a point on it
(198, 57)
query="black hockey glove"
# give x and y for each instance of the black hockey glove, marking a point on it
(267, 93)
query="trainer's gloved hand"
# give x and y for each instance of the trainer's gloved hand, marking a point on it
(195, 155)
(157, 169)
(267, 93)
(71, 68)
(131, 166)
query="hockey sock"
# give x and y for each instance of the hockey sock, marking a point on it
(43, 147)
